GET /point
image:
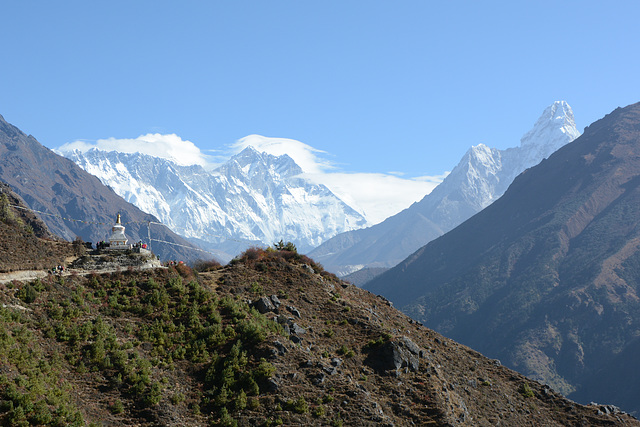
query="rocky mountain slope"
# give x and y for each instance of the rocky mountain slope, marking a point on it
(26, 241)
(481, 176)
(546, 278)
(74, 202)
(270, 339)
(253, 199)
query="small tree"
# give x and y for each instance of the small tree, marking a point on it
(281, 246)
(6, 213)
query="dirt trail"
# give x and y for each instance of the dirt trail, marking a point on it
(29, 275)
(22, 276)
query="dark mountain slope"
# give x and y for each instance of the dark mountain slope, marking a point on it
(53, 184)
(547, 278)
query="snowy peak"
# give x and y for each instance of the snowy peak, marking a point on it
(483, 157)
(555, 127)
(482, 176)
(251, 163)
(254, 198)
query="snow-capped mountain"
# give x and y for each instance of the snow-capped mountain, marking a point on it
(253, 199)
(482, 176)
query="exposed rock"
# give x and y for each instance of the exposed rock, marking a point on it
(264, 305)
(297, 329)
(294, 311)
(395, 355)
(275, 301)
(280, 348)
(319, 379)
(272, 385)
(330, 370)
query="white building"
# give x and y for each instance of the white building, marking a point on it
(118, 240)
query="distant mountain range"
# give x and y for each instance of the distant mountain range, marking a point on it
(547, 278)
(481, 177)
(75, 203)
(257, 199)
(252, 199)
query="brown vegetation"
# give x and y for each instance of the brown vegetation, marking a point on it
(26, 244)
(271, 339)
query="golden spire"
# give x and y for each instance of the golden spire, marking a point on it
(118, 220)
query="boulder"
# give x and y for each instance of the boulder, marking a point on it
(294, 311)
(275, 301)
(395, 355)
(264, 305)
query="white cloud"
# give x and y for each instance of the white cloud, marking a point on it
(304, 155)
(169, 146)
(377, 196)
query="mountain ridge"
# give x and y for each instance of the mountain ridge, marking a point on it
(481, 176)
(253, 199)
(545, 278)
(74, 202)
(270, 339)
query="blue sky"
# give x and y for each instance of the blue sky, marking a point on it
(380, 87)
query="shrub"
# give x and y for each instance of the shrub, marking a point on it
(264, 370)
(27, 293)
(281, 246)
(525, 390)
(318, 411)
(206, 265)
(257, 289)
(344, 350)
(226, 420)
(117, 407)
(251, 332)
(299, 405)
(153, 394)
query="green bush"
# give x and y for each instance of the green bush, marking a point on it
(117, 407)
(300, 405)
(281, 246)
(525, 390)
(27, 293)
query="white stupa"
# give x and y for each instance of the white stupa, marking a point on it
(118, 240)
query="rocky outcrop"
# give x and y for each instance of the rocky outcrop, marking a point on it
(396, 355)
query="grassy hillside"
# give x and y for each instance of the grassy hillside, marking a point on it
(271, 339)
(26, 242)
